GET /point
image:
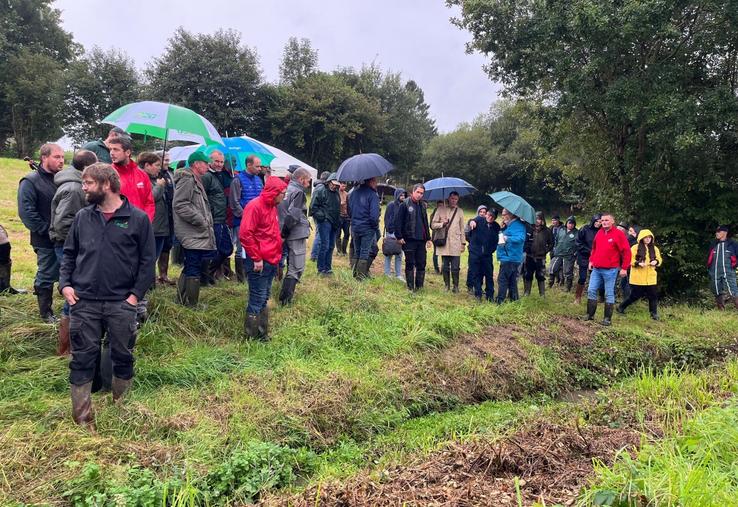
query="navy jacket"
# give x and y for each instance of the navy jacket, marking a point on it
(483, 238)
(411, 222)
(364, 207)
(390, 213)
(35, 194)
(109, 260)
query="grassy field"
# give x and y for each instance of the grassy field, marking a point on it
(368, 395)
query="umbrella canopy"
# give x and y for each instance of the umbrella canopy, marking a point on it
(164, 121)
(515, 205)
(283, 160)
(239, 148)
(386, 189)
(363, 167)
(440, 188)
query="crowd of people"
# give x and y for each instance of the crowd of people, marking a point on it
(102, 227)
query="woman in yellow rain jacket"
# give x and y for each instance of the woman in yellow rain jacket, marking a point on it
(646, 258)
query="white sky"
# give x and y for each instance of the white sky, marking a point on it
(414, 37)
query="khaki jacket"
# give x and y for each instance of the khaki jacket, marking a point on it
(193, 222)
(455, 240)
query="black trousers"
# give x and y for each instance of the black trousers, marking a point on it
(651, 293)
(415, 259)
(89, 319)
(534, 267)
(343, 235)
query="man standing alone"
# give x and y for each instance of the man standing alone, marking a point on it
(35, 194)
(193, 226)
(102, 292)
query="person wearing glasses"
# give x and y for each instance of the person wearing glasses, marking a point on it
(510, 255)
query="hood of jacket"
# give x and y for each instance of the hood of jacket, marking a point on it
(645, 232)
(398, 193)
(68, 175)
(596, 217)
(183, 173)
(274, 186)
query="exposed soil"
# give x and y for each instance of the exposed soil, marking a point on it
(551, 462)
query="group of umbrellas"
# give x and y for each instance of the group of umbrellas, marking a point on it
(175, 123)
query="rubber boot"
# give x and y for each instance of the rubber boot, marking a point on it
(419, 279)
(362, 269)
(608, 314)
(5, 287)
(120, 388)
(181, 294)
(82, 405)
(205, 277)
(720, 301)
(455, 282)
(621, 308)
(551, 281)
(591, 309)
(288, 291)
(447, 280)
(240, 274)
(163, 263)
(62, 347)
(542, 288)
(44, 296)
(568, 284)
(735, 302)
(527, 286)
(263, 324)
(251, 326)
(192, 291)
(280, 273)
(578, 295)
(410, 279)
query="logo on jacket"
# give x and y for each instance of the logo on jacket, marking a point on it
(121, 222)
(139, 184)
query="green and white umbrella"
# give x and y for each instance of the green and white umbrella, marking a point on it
(164, 121)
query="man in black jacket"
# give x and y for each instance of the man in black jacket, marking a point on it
(413, 233)
(35, 194)
(483, 236)
(108, 265)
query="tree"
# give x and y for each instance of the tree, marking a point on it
(98, 84)
(652, 83)
(214, 75)
(33, 51)
(299, 60)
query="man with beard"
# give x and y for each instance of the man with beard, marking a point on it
(101, 291)
(35, 193)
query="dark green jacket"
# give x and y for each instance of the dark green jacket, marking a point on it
(98, 148)
(566, 243)
(326, 205)
(216, 196)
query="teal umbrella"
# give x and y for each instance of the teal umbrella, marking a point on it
(164, 121)
(515, 205)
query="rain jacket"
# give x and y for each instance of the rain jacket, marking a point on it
(215, 191)
(483, 238)
(68, 200)
(566, 244)
(136, 186)
(193, 222)
(109, 260)
(512, 249)
(326, 205)
(161, 216)
(35, 194)
(584, 240)
(390, 212)
(610, 249)
(292, 213)
(455, 238)
(364, 208)
(723, 257)
(411, 221)
(259, 232)
(640, 275)
(100, 149)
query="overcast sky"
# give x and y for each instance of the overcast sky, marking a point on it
(414, 37)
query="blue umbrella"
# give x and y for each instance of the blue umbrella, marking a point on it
(363, 167)
(440, 188)
(515, 205)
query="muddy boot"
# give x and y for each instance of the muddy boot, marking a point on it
(542, 288)
(263, 324)
(120, 388)
(551, 281)
(527, 286)
(362, 269)
(82, 405)
(591, 309)
(44, 295)
(164, 269)
(240, 274)
(181, 294)
(568, 285)
(447, 280)
(620, 309)
(5, 287)
(62, 347)
(578, 295)
(251, 326)
(288, 291)
(720, 301)
(608, 314)
(205, 277)
(735, 302)
(192, 291)
(419, 279)
(410, 279)
(455, 282)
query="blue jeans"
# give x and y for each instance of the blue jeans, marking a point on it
(59, 251)
(363, 244)
(260, 285)
(47, 264)
(223, 245)
(327, 233)
(160, 240)
(193, 261)
(237, 248)
(388, 263)
(316, 244)
(507, 281)
(598, 278)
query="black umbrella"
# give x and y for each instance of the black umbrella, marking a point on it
(363, 167)
(385, 189)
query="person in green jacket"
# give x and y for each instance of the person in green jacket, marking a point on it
(100, 147)
(565, 253)
(325, 208)
(215, 182)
